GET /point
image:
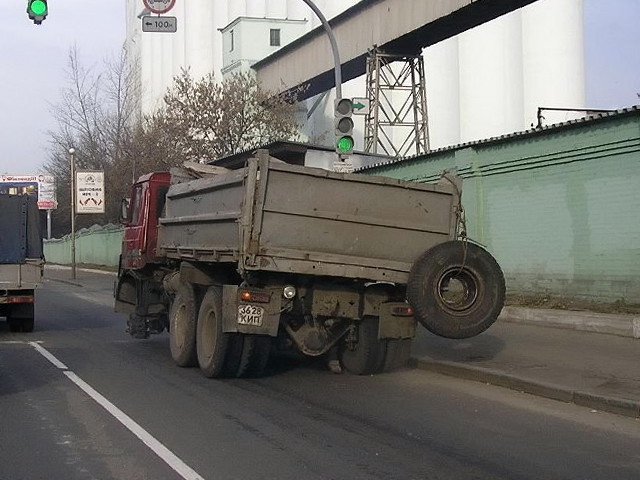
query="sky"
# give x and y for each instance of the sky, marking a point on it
(612, 53)
(33, 62)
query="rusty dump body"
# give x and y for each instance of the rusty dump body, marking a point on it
(275, 217)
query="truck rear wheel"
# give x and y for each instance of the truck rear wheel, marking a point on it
(255, 355)
(366, 355)
(456, 289)
(183, 319)
(211, 340)
(21, 318)
(15, 325)
(28, 324)
(247, 355)
(234, 355)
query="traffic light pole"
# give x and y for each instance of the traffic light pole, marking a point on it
(334, 46)
(344, 124)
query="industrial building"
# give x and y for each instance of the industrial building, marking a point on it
(484, 82)
(552, 193)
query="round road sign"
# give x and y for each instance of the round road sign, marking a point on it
(159, 6)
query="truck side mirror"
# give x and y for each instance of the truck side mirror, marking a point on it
(124, 211)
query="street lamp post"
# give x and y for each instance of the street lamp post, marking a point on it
(334, 46)
(72, 160)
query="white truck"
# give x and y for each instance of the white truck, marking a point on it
(21, 260)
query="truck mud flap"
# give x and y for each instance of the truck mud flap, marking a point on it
(396, 320)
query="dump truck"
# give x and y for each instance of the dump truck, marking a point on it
(274, 257)
(21, 260)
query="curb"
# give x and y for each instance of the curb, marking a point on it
(628, 408)
(606, 323)
(66, 282)
(53, 266)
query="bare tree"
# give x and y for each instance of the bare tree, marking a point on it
(99, 115)
(93, 116)
(206, 119)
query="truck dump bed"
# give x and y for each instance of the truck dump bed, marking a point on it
(277, 217)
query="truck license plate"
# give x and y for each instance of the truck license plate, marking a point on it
(250, 315)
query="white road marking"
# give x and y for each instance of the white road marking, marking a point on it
(158, 448)
(45, 353)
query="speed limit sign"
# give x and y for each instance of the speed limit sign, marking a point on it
(159, 6)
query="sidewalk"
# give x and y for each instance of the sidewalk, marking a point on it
(586, 358)
(571, 362)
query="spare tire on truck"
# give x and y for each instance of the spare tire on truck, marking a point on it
(456, 289)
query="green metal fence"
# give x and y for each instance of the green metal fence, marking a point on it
(97, 245)
(558, 207)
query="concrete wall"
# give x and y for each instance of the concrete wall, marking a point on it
(558, 208)
(98, 245)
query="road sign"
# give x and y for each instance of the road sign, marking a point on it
(47, 193)
(89, 191)
(360, 106)
(41, 185)
(159, 24)
(341, 166)
(159, 6)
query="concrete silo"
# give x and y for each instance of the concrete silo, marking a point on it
(485, 82)
(501, 72)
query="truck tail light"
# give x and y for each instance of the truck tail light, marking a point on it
(402, 311)
(258, 297)
(21, 299)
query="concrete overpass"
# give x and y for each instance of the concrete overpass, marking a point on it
(404, 26)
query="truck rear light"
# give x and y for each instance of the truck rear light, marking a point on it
(402, 311)
(22, 299)
(258, 297)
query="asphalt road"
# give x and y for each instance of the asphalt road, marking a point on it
(80, 399)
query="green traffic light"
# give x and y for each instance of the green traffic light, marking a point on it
(345, 144)
(38, 7)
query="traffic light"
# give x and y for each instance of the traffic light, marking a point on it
(37, 10)
(343, 108)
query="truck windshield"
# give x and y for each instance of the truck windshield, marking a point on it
(136, 205)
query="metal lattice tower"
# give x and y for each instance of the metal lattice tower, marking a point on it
(397, 123)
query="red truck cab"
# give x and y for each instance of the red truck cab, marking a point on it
(140, 237)
(134, 291)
